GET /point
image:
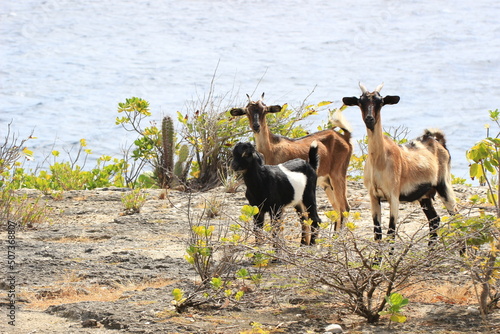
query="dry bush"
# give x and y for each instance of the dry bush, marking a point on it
(359, 272)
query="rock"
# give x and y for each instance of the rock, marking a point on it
(333, 328)
(111, 323)
(89, 323)
(472, 310)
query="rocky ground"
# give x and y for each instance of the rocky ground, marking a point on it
(92, 269)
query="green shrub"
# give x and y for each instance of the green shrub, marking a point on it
(62, 176)
(215, 252)
(21, 209)
(395, 303)
(485, 162)
(148, 147)
(481, 235)
(133, 201)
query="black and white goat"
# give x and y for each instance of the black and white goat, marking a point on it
(272, 187)
(403, 173)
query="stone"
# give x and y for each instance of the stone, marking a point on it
(333, 328)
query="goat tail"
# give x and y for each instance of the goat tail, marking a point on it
(436, 134)
(337, 120)
(313, 155)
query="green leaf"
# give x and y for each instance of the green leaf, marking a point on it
(489, 167)
(205, 251)
(216, 283)
(256, 278)
(242, 273)
(324, 103)
(396, 299)
(178, 294)
(475, 171)
(398, 318)
(249, 210)
(494, 114)
(239, 295)
(492, 198)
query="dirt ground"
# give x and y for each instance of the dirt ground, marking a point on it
(91, 269)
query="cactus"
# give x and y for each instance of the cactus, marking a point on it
(180, 168)
(167, 129)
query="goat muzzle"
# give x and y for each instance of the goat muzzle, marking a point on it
(256, 128)
(370, 122)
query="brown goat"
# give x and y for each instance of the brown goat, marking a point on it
(396, 173)
(334, 148)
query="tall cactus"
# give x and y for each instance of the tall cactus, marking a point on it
(167, 132)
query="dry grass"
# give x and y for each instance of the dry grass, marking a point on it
(72, 289)
(78, 239)
(447, 292)
(41, 300)
(212, 206)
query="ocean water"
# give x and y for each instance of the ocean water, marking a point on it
(65, 64)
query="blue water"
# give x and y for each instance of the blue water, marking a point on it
(65, 65)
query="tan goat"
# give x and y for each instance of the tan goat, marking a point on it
(334, 149)
(397, 173)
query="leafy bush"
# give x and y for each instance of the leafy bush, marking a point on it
(148, 148)
(70, 176)
(395, 302)
(211, 134)
(216, 252)
(20, 208)
(133, 201)
(481, 235)
(11, 152)
(26, 212)
(485, 159)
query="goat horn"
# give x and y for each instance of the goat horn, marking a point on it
(379, 87)
(249, 99)
(262, 97)
(363, 88)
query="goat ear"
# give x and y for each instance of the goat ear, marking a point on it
(258, 157)
(391, 99)
(274, 109)
(237, 112)
(351, 101)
